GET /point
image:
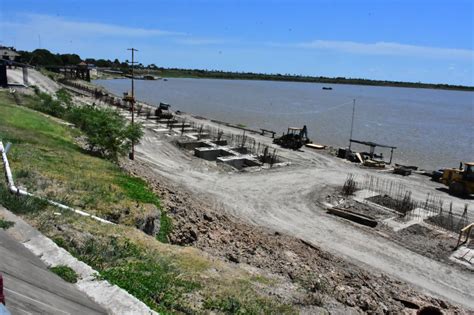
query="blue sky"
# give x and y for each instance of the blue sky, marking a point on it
(426, 41)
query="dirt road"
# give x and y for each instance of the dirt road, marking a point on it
(288, 199)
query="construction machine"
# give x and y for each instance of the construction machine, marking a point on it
(459, 180)
(294, 139)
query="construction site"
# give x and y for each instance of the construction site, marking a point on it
(412, 228)
(251, 150)
(304, 189)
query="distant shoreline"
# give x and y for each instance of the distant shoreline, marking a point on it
(204, 74)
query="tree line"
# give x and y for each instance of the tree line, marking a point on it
(43, 57)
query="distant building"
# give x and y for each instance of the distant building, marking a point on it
(8, 53)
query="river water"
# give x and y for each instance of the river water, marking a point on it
(430, 128)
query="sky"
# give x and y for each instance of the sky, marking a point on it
(406, 40)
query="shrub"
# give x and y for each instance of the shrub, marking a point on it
(64, 97)
(49, 106)
(66, 273)
(350, 186)
(107, 132)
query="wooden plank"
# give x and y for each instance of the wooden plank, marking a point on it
(353, 216)
(315, 146)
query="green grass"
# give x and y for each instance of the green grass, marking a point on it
(4, 224)
(66, 273)
(20, 204)
(154, 280)
(246, 305)
(47, 161)
(136, 188)
(166, 226)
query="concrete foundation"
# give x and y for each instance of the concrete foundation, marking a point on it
(191, 145)
(220, 142)
(211, 154)
(217, 150)
(240, 162)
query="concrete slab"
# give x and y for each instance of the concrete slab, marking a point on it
(361, 195)
(415, 216)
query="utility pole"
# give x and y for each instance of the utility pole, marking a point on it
(132, 100)
(352, 122)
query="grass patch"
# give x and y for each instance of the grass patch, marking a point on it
(166, 226)
(239, 305)
(153, 280)
(46, 159)
(137, 188)
(20, 204)
(5, 224)
(66, 273)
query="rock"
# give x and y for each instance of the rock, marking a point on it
(207, 217)
(233, 258)
(147, 219)
(193, 234)
(151, 226)
(442, 304)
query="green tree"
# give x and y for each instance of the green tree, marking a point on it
(107, 132)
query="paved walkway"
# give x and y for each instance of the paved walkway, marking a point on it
(30, 288)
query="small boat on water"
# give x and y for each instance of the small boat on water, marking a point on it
(327, 88)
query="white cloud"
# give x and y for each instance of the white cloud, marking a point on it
(383, 48)
(46, 23)
(201, 41)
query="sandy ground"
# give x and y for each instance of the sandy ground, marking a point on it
(289, 200)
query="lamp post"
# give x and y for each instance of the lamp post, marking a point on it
(132, 101)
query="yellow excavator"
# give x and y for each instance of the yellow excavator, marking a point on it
(460, 180)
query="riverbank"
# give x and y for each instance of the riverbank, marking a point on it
(292, 200)
(243, 219)
(409, 119)
(209, 74)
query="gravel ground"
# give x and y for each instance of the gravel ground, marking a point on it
(289, 200)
